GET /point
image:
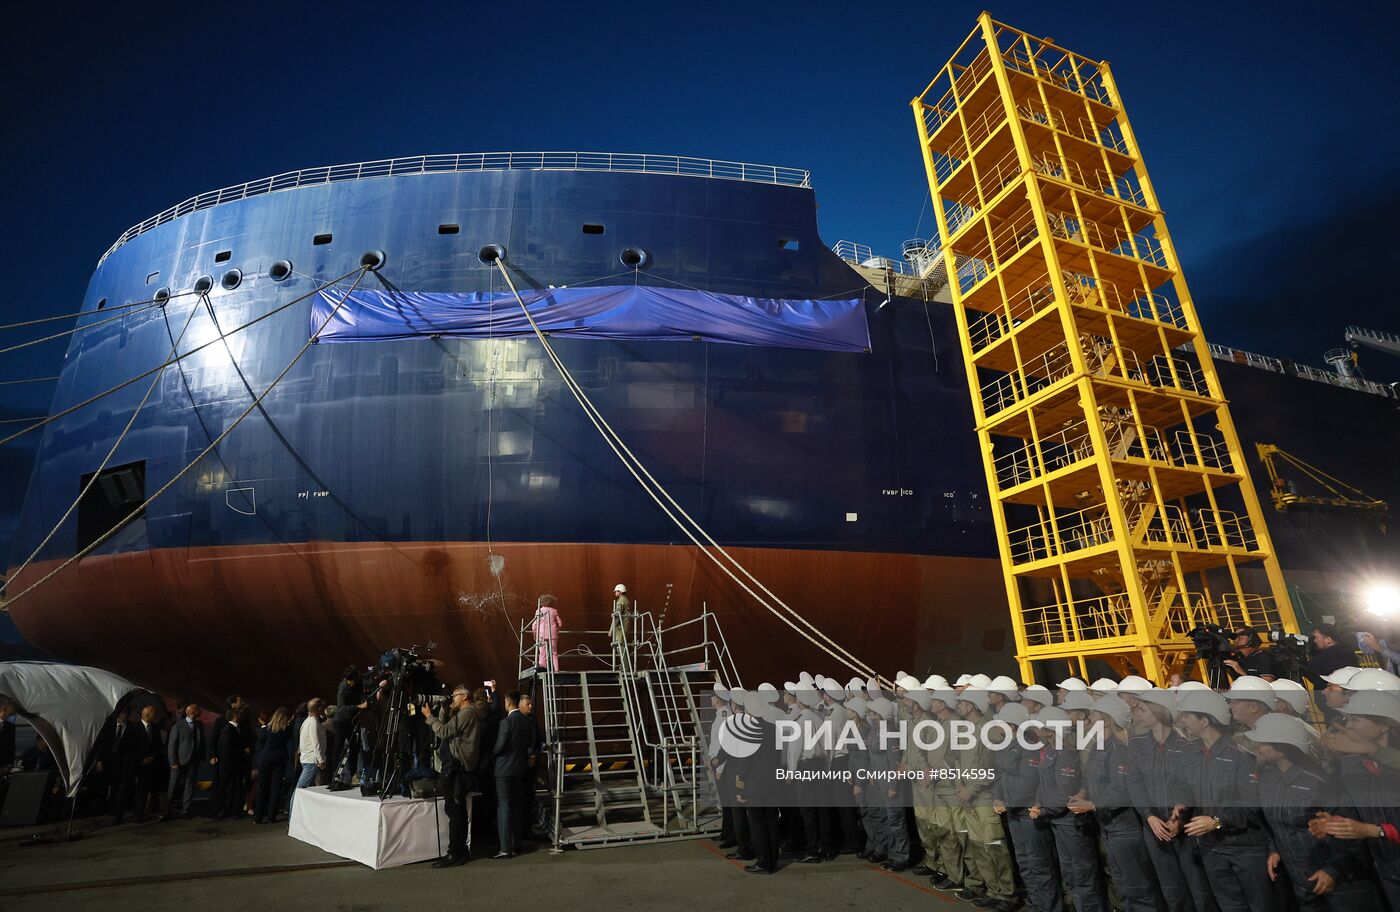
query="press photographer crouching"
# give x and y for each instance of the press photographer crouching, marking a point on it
(458, 730)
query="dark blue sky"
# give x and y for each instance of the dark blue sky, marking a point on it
(1270, 130)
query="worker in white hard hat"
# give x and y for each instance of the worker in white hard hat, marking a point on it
(1292, 698)
(1067, 685)
(1062, 776)
(986, 859)
(720, 703)
(1175, 860)
(1109, 801)
(941, 822)
(1372, 718)
(921, 791)
(620, 627)
(1334, 694)
(1102, 687)
(1293, 791)
(1013, 794)
(1035, 698)
(842, 814)
(1250, 699)
(1221, 803)
(809, 756)
(1001, 690)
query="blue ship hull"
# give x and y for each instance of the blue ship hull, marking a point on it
(431, 488)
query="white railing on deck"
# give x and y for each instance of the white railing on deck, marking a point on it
(629, 162)
(864, 255)
(1280, 366)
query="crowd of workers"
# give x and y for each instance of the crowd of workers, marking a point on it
(1264, 795)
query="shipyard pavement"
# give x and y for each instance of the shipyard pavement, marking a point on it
(198, 864)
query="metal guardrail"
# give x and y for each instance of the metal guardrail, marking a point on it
(1292, 368)
(625, 162)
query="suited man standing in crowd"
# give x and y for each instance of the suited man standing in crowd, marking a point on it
(122, 761)
(150, 773)
(515, 741)
(229, 758)
(184, 751)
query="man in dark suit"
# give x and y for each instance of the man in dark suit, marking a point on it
(184, 751)
(230, 756)
(122, 762)
(150, 765)
(515, 741)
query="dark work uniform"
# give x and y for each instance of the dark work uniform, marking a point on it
(1177, 863)
(1017, 779)
(1061, 776)
(760, 789)
(731, 779)
(1129, 866)
(1221, 781)
(1290, 799)
(1372, 794)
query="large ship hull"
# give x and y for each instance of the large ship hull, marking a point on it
(431, 488)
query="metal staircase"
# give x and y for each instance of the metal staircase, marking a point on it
(626, 721)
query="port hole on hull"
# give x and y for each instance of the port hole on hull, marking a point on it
(102, 303)
(634, 257)
(785, 244)
(491, 253)
(321, 239)
(118, 491)
(591, 228)
(223, 256)
(449, 229)
(280, 270)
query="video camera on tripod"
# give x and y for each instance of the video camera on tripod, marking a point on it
(404, 679)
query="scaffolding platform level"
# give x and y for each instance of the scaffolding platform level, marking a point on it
(1121, 496)
(626, 722)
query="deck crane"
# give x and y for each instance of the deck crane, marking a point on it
(1373, 338)
(1339, 494)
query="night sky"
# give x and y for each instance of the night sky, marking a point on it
(1270, 130)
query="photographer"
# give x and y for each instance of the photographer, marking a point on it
(1249, 658)
(349, 699)
(1331, 654)
(458, 749)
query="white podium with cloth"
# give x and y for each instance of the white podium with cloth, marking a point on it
(380, 834)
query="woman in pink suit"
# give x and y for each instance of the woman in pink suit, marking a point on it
(546, 629)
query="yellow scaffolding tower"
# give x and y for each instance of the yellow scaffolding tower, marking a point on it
(1120, 493)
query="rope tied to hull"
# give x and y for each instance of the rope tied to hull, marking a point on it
(116, 444)
(637, 469)
(176, 360)
(257, 403)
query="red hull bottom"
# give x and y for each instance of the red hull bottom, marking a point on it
(279, 624)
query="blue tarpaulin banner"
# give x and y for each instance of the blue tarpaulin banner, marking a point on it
(606, 312)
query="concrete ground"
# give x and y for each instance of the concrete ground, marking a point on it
(207, 866)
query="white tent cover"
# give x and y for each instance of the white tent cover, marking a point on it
(68, 705)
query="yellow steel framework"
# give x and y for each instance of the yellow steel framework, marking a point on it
(1120, 492)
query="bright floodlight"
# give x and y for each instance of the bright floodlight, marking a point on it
(1383, 599)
